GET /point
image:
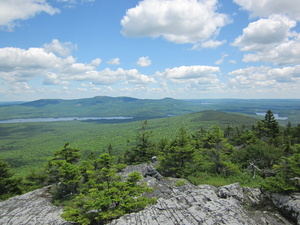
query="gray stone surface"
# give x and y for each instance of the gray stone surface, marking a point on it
(32, 208)
(288, 205)
(178, 203)
(193, 205)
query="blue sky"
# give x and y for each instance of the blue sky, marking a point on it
(184, 49)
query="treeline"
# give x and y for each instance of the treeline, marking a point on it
(265, 156)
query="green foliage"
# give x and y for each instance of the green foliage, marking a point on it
(63, 172)
(143, 149)
(180, 183)
(192, 152)
(40, 140)
(287, 174)
(175, 156)
(70, 155)
(9, 185)
(278, 184)
(261, 154)
(35, 179)
(110, 202)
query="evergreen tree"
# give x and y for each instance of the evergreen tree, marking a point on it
(143, 149)
(176, 156)
(268, 129)
(100, 205)
(63, 172)
(9, 185)
(70, 155)
(287, 174)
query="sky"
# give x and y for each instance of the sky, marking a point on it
(149, 49)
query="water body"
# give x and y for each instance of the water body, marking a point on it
(61, 119)
(277, 117)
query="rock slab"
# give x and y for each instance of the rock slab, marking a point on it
(32, 208)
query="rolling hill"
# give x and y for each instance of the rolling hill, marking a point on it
(103, 106)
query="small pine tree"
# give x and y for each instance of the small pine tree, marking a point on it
(9, 185)
(143, 149)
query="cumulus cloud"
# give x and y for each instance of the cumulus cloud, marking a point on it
(266, 77)
(178, 21)
(265, 8)
(265, 82)
(271, 40)
(11, 11)
(23, 65)
(62, 49)
(108, 77)
(287, 53)
(189, 72)
(114, 61)
(144, 61)
(17, 59)
(265, 33)
(191, 76)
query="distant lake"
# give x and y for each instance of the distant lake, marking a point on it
(61, 119)
(277, 117)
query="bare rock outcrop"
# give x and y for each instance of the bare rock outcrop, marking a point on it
(203, 204)
(178, 203)
(288, 204)
(31, 208)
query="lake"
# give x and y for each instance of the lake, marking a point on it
(61, 119)
(277, 117)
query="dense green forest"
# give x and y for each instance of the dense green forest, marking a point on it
(27, 146)
(264, 155)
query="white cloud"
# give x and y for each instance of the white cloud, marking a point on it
(188, 72)
(178, 21)
(108, 77)
(11, 11)
(265, 8)
(144, 61)
(265, 82)
(62, 49)
(33, 59)
(96, 62)
(208, 44)
(114, 61)
(287, 53)
(221, 60)
(255, 77)
(265, 33)
(271, 40)
(21, 65)
(53, 79)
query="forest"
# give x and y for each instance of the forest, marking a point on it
(264, 155)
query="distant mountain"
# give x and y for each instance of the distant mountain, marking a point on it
(100, 106)
(147, 108)
(10, 103)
